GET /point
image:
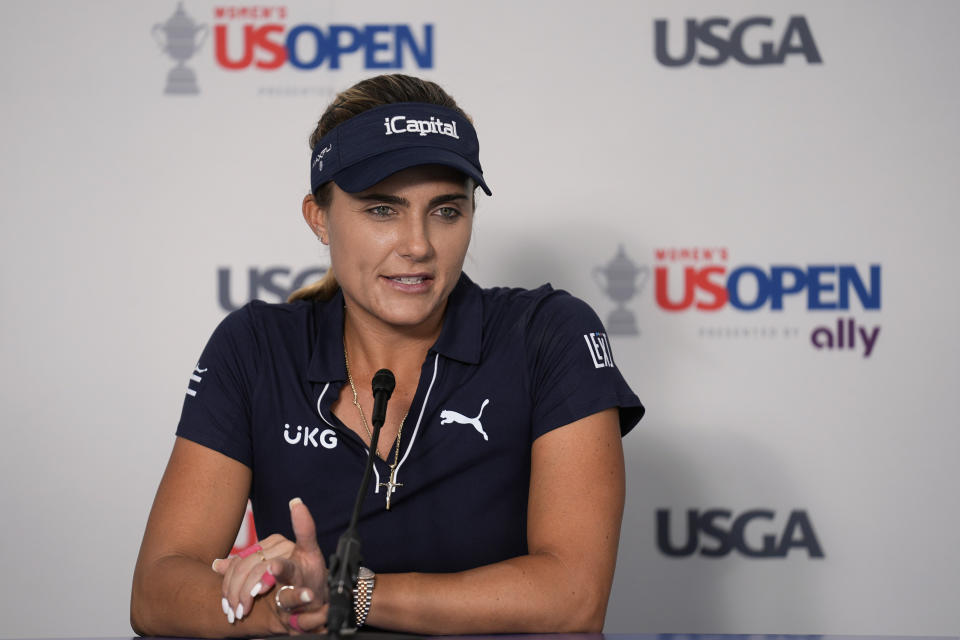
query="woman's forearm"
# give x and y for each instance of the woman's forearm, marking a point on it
(533, 593)
(181, 596)
(573, 531)
(195, 516)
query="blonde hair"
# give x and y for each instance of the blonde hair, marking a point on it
(366, 94)
(322, 290)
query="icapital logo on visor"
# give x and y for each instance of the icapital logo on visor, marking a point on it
(400, 124)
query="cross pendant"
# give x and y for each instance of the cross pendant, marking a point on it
(391, 485)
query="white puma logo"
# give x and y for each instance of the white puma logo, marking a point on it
(447, 416)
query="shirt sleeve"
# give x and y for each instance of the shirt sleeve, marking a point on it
(217, 410)
(573, 371)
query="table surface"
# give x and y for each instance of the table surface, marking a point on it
(608, 636)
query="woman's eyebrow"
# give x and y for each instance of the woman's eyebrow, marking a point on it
(382, 197)
(447, 197)
(403, 202)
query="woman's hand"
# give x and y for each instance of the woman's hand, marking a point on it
(295, 573)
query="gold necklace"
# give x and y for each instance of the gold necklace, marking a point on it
(392, 483)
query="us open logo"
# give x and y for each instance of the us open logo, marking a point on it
(701, 280)
(260, 38)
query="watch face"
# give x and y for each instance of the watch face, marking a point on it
(365, 574)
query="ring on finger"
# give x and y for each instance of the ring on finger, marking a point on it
(276, 596)
(262, 555)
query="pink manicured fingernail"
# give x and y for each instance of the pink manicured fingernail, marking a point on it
(267, 579)
(249, 551)
(240, 611)
(255, 590)
(305, 596)
(295, 501)
(214, 564)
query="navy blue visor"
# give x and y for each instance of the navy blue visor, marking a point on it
(378, 143)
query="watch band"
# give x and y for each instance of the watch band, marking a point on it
(363, 595)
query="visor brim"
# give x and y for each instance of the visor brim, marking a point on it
(369, 172)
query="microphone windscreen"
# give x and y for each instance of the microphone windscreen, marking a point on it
(384, 381)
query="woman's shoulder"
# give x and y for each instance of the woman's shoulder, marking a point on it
(542, 303)
(266, 325)
(280, 312)
(262, 315)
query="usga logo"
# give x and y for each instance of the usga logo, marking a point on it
(273, 284)
(723, 533)
(720, 41)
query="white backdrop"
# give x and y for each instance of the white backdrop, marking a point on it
(121, 205)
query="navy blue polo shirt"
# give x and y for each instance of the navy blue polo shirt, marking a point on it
(509, 366)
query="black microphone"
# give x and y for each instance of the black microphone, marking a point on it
(344, 565)
(383, 384)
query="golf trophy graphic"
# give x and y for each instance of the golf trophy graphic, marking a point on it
(177, 38)
(621, 280)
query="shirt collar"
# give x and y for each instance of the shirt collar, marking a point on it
(459, 338)
(327, 363)
(462, 323)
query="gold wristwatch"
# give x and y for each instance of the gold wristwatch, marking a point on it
(363, 595)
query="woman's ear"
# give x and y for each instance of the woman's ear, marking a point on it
(316, 217)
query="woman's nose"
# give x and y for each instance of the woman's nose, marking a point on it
(414, 242)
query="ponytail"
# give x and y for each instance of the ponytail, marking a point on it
(322, 290)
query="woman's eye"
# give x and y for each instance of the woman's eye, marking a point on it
(450, 213)
(380, 211)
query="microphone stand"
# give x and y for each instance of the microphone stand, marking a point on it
(345, 563)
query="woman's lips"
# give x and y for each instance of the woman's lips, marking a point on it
(410, 282)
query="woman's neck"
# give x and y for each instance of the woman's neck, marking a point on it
(373, 345)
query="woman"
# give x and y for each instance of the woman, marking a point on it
(499, 488)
